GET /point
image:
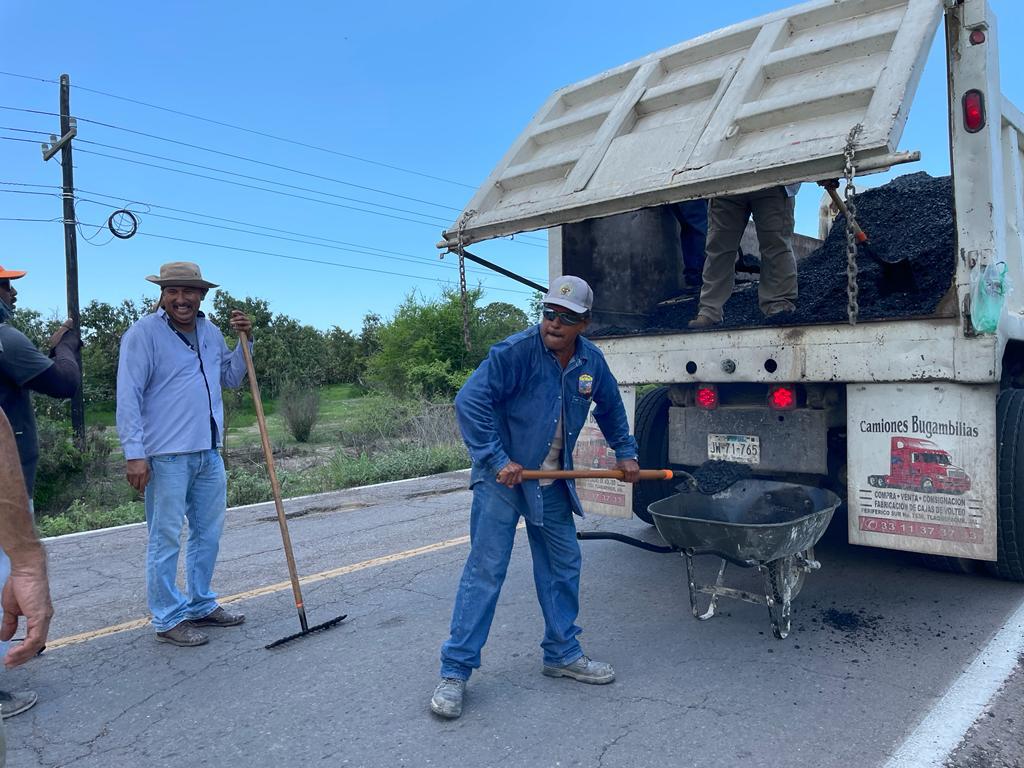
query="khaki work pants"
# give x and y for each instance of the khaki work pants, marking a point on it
(727, 218)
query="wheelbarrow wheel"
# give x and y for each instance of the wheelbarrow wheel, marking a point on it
(783, 581)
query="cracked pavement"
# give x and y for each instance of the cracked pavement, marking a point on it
(716, 693)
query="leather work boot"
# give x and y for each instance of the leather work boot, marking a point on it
(447, 699)
(702, 321)
(183, 634)
(585, 670)
(15, 702)
(219, 618)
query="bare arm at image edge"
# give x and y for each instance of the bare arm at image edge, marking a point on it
(27, 591)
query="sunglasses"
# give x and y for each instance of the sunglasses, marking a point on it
(567, 318)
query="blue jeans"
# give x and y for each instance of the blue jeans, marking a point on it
(192, 486)
(693, 229)
(556, 575)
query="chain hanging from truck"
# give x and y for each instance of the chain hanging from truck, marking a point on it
(849, 172)
(463, 293)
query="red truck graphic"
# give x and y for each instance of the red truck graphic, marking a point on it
(920, 465)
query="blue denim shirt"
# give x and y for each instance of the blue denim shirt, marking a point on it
(165, 398)
(509, 408)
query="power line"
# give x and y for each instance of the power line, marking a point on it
(358, 250)
(300, 237)
(433, 225)
(303, 259)
(248, 130)
(259, 162)
(122, 201)
(524, 239)
(257, 178)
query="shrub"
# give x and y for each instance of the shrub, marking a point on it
(247, 488)
(345, 471)
(81, 517)
(300, 408)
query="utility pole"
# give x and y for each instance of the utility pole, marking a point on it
(68, 130)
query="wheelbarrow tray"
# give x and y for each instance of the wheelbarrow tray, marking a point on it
(751, 522)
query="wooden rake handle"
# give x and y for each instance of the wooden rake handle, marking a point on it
(268, 454)
(582, 474)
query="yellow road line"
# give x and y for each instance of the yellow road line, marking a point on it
(84, 637)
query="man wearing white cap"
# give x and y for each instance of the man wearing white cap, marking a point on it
(170, 418)
(524, 406)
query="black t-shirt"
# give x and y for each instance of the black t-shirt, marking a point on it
(20, 362)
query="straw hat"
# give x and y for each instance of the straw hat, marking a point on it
(180, 273)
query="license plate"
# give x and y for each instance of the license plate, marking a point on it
(744, 449)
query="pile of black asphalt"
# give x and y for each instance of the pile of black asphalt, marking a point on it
(911, 217)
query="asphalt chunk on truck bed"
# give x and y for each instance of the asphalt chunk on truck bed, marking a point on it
(911, 216)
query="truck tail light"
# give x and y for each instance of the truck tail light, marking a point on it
(707, 397)
(974, 110)
(782, 397)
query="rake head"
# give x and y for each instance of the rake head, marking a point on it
(309, 631)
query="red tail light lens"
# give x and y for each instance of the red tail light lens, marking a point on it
(782, 398)
(707, 397)
(974, 111)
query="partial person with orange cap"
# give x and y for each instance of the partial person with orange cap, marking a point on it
(24, 369)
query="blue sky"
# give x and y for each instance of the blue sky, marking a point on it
(441, 89)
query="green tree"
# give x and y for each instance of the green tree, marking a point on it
(103, 325)
(422, 349)
(344, 360)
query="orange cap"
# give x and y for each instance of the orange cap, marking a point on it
(11, 274)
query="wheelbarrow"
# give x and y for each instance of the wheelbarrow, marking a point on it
(764, 524)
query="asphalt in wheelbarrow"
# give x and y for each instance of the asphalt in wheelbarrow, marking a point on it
(752, 521)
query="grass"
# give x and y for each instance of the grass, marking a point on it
(360, 439)
(339, 405)
(80, 517)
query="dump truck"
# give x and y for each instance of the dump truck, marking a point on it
(820, 91)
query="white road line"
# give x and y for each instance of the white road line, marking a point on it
(943, 728)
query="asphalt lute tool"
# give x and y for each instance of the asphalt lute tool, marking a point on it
(279, 504)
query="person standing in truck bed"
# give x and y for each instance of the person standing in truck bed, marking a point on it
(772, 210)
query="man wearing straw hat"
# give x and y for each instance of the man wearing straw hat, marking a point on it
(170, 419)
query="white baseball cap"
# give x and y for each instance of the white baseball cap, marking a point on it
(570, 292)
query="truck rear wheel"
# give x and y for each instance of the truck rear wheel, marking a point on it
(651, 430)
(1010, 482)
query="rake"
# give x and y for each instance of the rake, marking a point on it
(279, 504)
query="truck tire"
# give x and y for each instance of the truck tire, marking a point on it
(1010, 484)
(651, 431)
(960, 565)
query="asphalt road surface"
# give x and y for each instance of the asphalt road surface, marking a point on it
(877, 645)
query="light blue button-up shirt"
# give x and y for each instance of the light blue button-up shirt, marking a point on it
(165, 397)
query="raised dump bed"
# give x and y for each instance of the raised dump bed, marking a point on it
(633, 261)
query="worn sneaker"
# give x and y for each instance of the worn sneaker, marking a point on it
(183, 634)
(584, 669)
(702, 321)
(15, 702)
(447, 699)
(219, 618)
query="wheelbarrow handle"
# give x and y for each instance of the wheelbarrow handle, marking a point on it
(581, 474)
